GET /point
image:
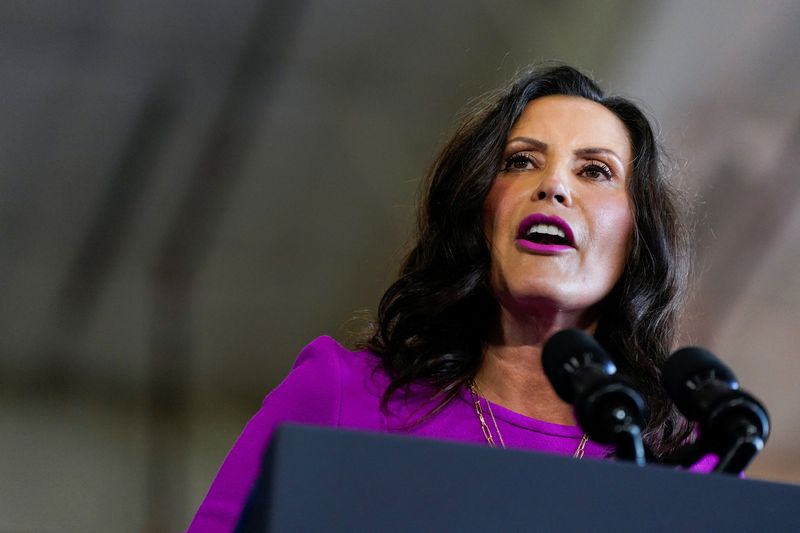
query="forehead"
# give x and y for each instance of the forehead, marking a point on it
(574, 122)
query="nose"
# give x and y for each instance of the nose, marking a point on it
(552, 187)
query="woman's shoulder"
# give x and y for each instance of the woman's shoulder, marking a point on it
(327, 353)
(322, 380)
(327, 364)
(330, 384)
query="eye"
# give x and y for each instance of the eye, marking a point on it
(597, 170)
(519, 162)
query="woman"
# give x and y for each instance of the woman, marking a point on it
(547, 210)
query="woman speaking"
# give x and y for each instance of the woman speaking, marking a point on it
(548, 209)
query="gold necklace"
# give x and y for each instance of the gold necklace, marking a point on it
(487, 434)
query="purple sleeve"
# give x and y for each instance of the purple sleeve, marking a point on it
(705, 465)
(310, 394)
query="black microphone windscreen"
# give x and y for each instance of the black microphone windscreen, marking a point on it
(687, 368)
(560, 354)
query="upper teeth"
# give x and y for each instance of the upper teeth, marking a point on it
(548, 229)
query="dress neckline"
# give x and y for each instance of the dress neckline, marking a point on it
(522, 421)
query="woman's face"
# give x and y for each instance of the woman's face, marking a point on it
(558, 215)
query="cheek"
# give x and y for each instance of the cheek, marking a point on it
(624, 232)
(618, 226)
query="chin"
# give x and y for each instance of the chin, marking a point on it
(549, 299)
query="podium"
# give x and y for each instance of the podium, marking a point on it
(321, 479)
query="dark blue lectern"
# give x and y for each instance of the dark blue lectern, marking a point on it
(318, 479)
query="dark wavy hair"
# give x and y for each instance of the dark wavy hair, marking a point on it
(433, 321)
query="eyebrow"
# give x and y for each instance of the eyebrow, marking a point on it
(536, 144)
(594, 150)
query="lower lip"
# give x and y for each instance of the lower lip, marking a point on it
(548, 249)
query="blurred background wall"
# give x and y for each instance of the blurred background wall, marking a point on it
(193, 190)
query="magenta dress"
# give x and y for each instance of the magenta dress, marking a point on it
(332, 386)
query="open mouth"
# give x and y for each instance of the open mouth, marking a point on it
(545, 230)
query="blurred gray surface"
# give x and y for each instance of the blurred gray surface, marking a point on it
(192, 191)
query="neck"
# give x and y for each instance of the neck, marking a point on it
(511, 372)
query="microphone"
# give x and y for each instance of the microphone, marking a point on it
(607, 407)
(733, 424)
